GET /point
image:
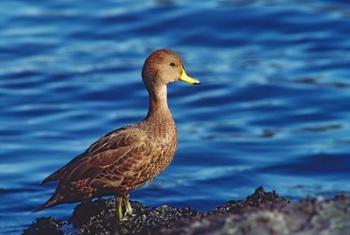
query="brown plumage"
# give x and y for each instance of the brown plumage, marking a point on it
(130, 156)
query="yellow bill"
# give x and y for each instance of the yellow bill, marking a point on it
(185, 78)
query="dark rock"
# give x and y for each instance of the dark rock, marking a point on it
(261, 213)
(257, 201)
(99, 218)
(45, 226)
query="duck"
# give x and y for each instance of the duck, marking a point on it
(130, 156)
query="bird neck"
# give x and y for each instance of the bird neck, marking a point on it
(158, 103)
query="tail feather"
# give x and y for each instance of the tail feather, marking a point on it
(53, 201)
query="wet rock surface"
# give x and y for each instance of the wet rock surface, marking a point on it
(261, 213)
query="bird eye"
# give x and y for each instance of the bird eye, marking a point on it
(172, 64)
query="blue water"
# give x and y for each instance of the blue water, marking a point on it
(272, 110)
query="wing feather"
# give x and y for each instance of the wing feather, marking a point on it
(100, 154)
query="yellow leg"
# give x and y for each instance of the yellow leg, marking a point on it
(123, 208)
(118, 208)
(128, 208)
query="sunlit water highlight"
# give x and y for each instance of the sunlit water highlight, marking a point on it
(272, 110)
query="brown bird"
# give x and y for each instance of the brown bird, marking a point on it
(132, 155)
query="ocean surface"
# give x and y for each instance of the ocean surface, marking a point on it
(272, 109)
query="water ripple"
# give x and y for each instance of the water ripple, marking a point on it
(272, 109)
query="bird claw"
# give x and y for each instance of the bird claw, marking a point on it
(127, 216)
(123, 204)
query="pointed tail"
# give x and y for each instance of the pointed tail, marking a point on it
(51, 202)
